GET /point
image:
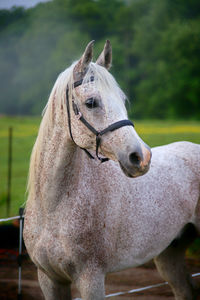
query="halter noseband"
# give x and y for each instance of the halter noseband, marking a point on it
(98, 134)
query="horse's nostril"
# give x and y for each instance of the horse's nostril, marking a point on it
(135, 158)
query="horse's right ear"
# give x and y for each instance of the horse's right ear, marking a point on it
(82, 65)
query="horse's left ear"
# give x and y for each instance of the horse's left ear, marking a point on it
(105, 58)
(81, 67)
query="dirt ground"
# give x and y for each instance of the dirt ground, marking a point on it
(116, 282)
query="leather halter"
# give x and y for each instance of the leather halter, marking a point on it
(98, 134)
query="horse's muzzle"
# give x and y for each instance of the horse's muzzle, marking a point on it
(137, 162)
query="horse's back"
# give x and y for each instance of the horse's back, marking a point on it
(188, 155)
(172, 183)
(186, 151)
(179, 164)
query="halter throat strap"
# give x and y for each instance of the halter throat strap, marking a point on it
(98, 134)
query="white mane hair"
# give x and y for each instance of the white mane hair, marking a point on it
(55, 111)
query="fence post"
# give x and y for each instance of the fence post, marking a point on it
(10, 130)
(21, 212)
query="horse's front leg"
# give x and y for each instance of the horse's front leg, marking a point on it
(53, 290)
(90, 284)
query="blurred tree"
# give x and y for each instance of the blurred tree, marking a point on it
(165, 44)
(10, 16)
(155, 52)
(33, 59)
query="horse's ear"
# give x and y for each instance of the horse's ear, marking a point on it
(82, 65)
(105, 58)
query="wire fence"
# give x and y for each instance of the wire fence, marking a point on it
(10, 219)
(19, 296)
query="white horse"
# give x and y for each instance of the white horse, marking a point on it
(85, 219)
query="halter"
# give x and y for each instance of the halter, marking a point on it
(98, 134)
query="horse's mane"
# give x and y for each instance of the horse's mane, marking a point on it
(104, 83)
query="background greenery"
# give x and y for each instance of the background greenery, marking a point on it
(25, 130)
(155, 47)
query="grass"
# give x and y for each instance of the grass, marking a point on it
(156, 133)
(24, 134)
(25, 129)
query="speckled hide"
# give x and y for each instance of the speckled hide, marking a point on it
(84, 219)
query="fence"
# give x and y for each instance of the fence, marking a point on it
(19, 296)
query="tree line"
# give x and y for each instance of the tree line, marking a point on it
(155, 52)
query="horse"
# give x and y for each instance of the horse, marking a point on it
(99, 199)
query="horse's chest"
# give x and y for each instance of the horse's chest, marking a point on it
(63, 249)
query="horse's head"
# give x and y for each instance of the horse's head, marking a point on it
(95, 101)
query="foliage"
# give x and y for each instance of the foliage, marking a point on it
(155, 52)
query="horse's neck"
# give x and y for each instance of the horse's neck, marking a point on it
(58, 158)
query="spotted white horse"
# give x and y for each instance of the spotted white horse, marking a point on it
(85, 218)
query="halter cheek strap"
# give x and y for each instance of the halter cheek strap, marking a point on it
(98, 134)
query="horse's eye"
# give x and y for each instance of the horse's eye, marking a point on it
(91, 103)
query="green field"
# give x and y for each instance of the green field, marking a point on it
(24, 134)
(25, 130)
